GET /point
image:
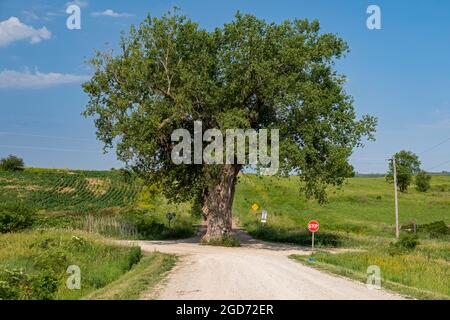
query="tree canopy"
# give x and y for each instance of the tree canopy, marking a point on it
(247, 74)
(11, 163)
(407, 165)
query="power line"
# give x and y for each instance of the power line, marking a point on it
(435, 146)
(436, 166)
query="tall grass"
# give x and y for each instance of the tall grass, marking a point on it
(140, 280)
(426, 268)
(33, 264)
(110, 225)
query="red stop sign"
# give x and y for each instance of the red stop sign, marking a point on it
(313, 226)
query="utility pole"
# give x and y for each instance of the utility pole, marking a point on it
(397, 231)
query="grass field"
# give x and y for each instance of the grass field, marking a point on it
(423, 273)
(139, 281)
(33, 264)
(362, 208)
(358, 215)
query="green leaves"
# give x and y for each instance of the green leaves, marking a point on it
(408, 165)
(423, 181)
(247, 74)
(11, 163)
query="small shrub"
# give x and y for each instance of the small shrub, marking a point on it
(51, 259)
(301, 237)
(423, 181)
(147, 225)
(406, 243)
(17, 284)
(178, 231)
(45, 284)
(79, 243)
(225, 241)
(14, 217)
(150, 227)
(196, 209)
(11, 163)
(6, 291)
(434, 229)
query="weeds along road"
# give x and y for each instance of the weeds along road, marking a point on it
(256, 270)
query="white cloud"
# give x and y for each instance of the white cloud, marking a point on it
(11, 79)
(80, 3)
(13, 30)
(111, 13)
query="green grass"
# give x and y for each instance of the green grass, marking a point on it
(423, 273)
(41, 258)
(141, 279)
(359, 215)
(362, 208)
(121, 223)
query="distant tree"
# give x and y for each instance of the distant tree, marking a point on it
(408, 165)
(11, 163)
(423, 181)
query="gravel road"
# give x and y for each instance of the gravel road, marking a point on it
(257, 270)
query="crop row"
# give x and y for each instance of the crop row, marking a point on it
(67, 191)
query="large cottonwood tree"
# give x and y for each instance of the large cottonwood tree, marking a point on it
(247, 74)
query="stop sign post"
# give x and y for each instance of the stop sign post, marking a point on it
(313, 226)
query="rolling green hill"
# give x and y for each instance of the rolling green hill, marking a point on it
(361, 206)
(359, 215)
(67, 190)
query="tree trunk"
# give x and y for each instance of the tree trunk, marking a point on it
(218, 202)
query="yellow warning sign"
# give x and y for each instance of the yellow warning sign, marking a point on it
(255, 206)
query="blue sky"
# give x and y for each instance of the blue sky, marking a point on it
(401, 73)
